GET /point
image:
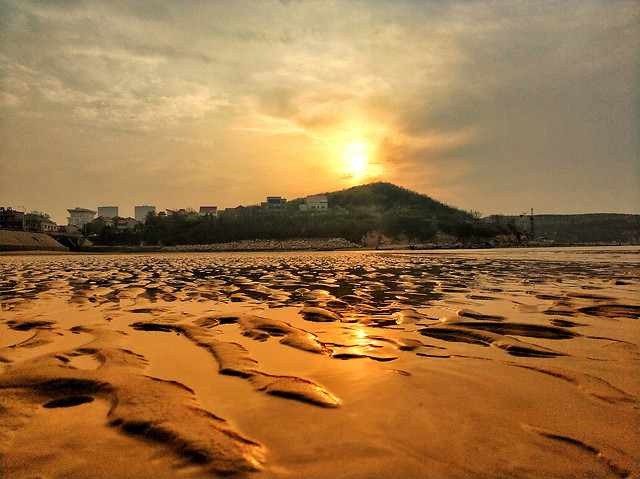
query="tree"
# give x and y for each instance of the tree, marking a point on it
(39, 215)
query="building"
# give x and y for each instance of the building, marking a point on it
(189, 213)
(80, 216)
(208, 211)
(234, 212)
(315, 203)
(126, 223)
(48, 226)
(181, 211)
(108, 211)
(11, 219)
(40, 223)
(141, 212)
(108, 220)
(274, 203)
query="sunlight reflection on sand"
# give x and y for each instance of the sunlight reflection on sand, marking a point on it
(519, 363)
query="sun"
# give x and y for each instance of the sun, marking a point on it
(358, 163)
(356, 158)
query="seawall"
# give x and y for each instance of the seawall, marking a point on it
(27, 241)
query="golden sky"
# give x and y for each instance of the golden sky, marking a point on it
(493, 106)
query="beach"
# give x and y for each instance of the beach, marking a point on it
(354, 364)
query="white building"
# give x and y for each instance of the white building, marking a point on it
(80, 216)
(48, 226)
(108, 211)
(141, 211)
(315, 203)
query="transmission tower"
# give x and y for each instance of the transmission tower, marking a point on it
(531, 220)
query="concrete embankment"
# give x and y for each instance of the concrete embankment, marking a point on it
(28, 241)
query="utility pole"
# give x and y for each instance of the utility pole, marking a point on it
(524, 225)
(532, 229)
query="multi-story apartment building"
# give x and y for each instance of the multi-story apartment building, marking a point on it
(108, 211)
(80, 216)
(142, 211)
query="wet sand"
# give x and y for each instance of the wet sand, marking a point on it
(497, 363)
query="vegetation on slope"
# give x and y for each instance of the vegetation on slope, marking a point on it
(380, 209)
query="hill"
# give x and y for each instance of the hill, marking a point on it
(399, 215)
(386, 196)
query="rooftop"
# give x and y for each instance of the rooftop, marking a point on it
(77, 209)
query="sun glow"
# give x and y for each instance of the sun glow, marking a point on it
(358, 163)
(356, 158)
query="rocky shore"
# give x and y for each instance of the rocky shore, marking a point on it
(300, 244)
(370, 242)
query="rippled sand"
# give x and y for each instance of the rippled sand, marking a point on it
(500, 363)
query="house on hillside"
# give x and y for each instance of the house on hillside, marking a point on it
(80, 216)
(274, 203)
(315, 203)
(208, 211)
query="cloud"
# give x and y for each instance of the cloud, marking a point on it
(473, 95)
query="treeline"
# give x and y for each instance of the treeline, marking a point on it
(374, 209)
(352, 224)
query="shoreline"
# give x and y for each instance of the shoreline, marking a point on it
(256, 246)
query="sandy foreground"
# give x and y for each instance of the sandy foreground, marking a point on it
(499, 363)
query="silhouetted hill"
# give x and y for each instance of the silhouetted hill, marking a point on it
(385, 213)
(583, 229)
(386, 196)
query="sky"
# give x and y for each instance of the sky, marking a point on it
(490, 106)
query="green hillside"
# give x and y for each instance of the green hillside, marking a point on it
(386, 196)
(403, 215)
